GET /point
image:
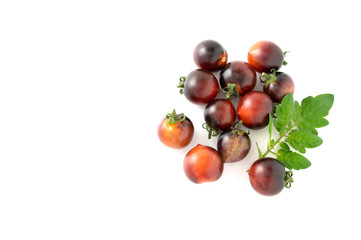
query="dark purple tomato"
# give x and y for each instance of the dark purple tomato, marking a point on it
(233, 146)
(278, 89)
(210, 55)
(254, 109)
(200, 87)
(267, 176)
(203, 164)
(239, 73)
(265, 56)
(220, 114)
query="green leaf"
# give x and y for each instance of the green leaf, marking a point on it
(269, 130)
(270, 126)
(292, 160)
(301, 139)
(281, 152)
(285, 146)
(314, 109)
(297, 112)
(303, 125)
(284, 112)
(276, 124)
(318, 123)
(259, 151)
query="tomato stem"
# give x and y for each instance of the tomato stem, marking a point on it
(277, 141)
(173, 117)
(181, 84)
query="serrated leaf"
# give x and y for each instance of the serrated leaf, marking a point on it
(285, 146)
(303, 125)
(318, 123)
(301, 139)
(276, 124)
(281, 152)
(314, 109)
(297, 112)
(293, 160)
(284, 112)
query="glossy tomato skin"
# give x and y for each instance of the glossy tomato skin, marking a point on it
(278, 89)
(210, 55)
(203, 164)
(267, 176)
(200, 87)
(265, 56)
(233, 147)
(220, 114)
(254, 109)
(177, 135)
(239, 73)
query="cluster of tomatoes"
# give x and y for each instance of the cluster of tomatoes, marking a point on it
(236, 79)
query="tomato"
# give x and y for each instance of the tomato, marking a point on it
(267, 176)
(220, 114)
(254, 109)
(233, 145)
(279, 87)
(200, 86)
(210, 55)
(203, 164)
(176, 130)
(265, 56)
(239, 73)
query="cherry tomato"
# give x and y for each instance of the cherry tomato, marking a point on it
(233, 145)
(278, 88)
(267, 176)
(210, 55)
(239, 73)
(203, 164)
(220, 114)
(200, 86)
(254, 109)
(265, 56)
(175, 130)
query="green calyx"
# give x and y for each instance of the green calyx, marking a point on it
(212, 132)
(284, 55)
(173, 117)
(266, 78)
(288, 179)
(237, 128)
(231, 91)
(181, 84)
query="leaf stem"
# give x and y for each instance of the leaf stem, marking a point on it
(274, 153)
(269, 150)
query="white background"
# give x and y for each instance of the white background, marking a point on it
(84, 84)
